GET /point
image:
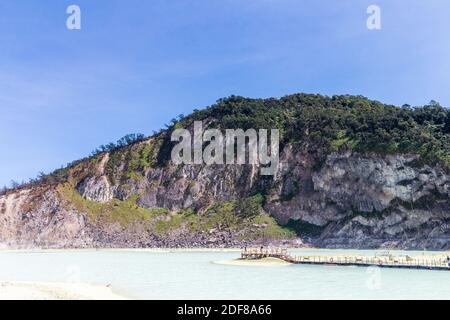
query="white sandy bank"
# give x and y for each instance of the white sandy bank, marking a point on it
(55, 291)
(265, 262)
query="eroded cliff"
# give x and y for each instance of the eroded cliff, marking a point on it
(330, 189)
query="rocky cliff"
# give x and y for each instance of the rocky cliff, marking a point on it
(330, 189)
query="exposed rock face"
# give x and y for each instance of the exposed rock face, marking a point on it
(197, 186)
(32, 218)
(97, 187)
(352, 200)
(369, 201)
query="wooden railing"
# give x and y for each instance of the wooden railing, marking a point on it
(381, 261)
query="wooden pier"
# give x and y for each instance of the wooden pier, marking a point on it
(382, 261)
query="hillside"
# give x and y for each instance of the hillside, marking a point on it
(353, 173)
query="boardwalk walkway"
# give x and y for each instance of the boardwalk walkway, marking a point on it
(384, 261)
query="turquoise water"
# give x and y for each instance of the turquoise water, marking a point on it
(192, 275)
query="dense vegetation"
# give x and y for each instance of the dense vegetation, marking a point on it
(325, 124)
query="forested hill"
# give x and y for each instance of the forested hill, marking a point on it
(353, 173)
(341, 123)
(320, 123)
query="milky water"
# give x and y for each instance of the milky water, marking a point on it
(193, 275)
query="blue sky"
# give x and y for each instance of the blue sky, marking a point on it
(136, 64)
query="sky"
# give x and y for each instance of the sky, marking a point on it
(135, 65)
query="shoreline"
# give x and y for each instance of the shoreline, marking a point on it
(31, 290)
(207, 249)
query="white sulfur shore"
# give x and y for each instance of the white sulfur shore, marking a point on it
(55, 291)
(265, 262)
